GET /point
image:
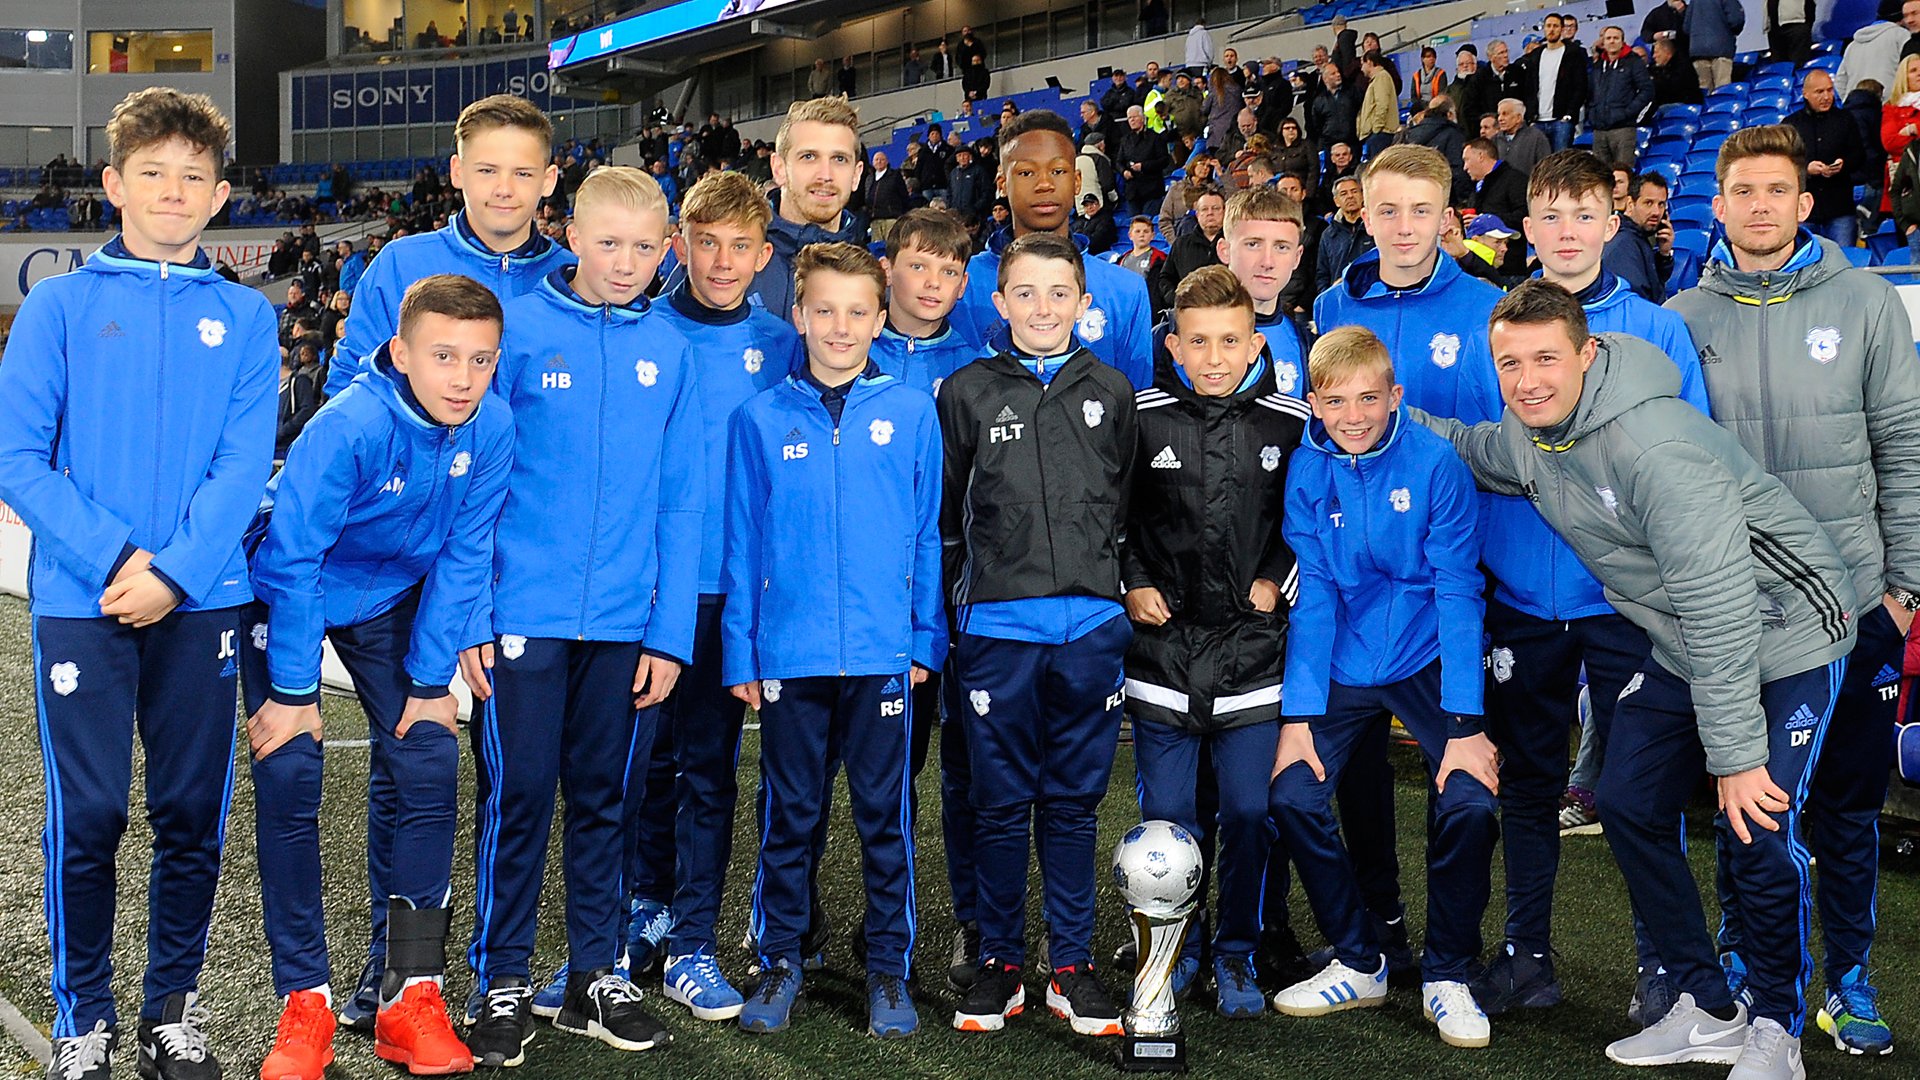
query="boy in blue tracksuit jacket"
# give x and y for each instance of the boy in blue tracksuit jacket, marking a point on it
(1548, 621)
(1116, 326)
(741, 350)
(926, 266)
(502, 163)
(1432, 317)
(833, 614)
(136, 430)
(592, 610)
(380, 538)
(1382, 522)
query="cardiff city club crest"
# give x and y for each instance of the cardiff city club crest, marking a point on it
(1092, 326)
(1093, 412)
(1823, 343)
(1446, 350)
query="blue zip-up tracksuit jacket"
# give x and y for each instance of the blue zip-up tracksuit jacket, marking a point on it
(1389, 556)
(375, 498)
(1117, 328)
(739, 353)
(833, 534)
(137, 411)
(452, 250)
(1436, 332)
(923, 362)
(600, 539)
(1534, 570)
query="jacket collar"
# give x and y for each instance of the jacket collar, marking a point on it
(788, 238)
(462, 232)
(938, 337)
(683, 301)
(113, 255)
(558, 288)
(398, 394)
(1362, 279)
(1001, 237)
(1318, 438)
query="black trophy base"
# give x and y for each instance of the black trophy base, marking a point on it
(1152, 1053)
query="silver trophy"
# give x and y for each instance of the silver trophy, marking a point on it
(1156, 867)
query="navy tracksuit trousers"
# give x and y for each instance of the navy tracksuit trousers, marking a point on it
(97, 683)
(412, 791)
(1368, 821)
(648, 821)
(1843, 809)
(1168, 763)
(808, 727)
(706, 744)
(561, 712)
(1043, 722)
(1532, 703)
(1461, 831)
(1653, 764)
(957, 824)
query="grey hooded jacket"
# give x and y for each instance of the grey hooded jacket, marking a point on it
(1695, 543)
(1813, 369)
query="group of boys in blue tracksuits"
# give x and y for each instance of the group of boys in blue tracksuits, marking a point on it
(902, 497)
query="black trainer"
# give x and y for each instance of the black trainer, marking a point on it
(174, 1047)
(499, 1038)
(604, 1006)
(1077, 996)
(1280, 961)
(1516, 979)
(85, 1057)
(996, 995)
(963, 966)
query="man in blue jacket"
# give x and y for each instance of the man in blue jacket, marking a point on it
(1381, 518)
(502, 164)
(1620, 90)
(381, 539)
(1548, 619)
(1713, 28)
(591, 616)
(138, 471)
(1037, 158)
(833, 616)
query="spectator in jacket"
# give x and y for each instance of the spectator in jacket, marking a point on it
(1503, 71)
(1336, 112)
(1435, 127)
(1200, 48)
(1674, 80)
(1667, 22)
(1276, 95)
(1863, 104)
(1205, 565)
(1231, 145)
(1875, 51)
(975, 79)
(886, 195)
(1498, 189)
(1342, 160)
(1194, 250)
(1092, 121)
(1475, 90)
(1095, 222)
(1379, 119)
(1096, 169)
(333, 321)
(1295, 153)
(1429, 82)
(1175, 218)
(1143, 164)
(300, 377)
(941, 64)
(969, 186)
(1224, 102)
(1346, 48)
(1159, 109)
(1118, 97)
(1900, 117)
(1187, 104)
(970, 46)
(1641, 253)
(914, 70)
(1834, 158)
(1554, 80)
(847, 76)
(1345, 238)
(1622, 90)
(1519, 144)
(301, 307)
(1790, 30)
(1712, 27)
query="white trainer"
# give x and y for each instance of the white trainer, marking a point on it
(1336, 989)
(1452, 1008)
(1686, 1033)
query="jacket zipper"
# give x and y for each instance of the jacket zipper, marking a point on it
(1766, 380)
(1366, 534)
(839, 554)
(599, 468)
(159, 410)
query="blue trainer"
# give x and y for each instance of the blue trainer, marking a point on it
(546, 1003)
(1736, 968)
(1236, 991)
(647, 924)
(774, 1001)
(696, 981)
(1852, 1016)
(890, 1012)
(1185, 971)
(358, 1013)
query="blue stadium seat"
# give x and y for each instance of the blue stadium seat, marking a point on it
(1724, 106)
(1760, 117)
(1718, 124)
(1692, 240)
(1782, 84)
(1710, 142)
(1676, 109)
(1829, 62)
(1859, 256)
(1777, 101)
(1778, 69)
(1888, 249)
(1690, 202)
(1669, 169)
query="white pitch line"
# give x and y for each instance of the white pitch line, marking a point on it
(25, 1033)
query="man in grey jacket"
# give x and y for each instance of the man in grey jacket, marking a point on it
(1810, 364)
(1746, 602)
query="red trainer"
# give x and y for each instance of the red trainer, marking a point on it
(414, 1031)
(303, 1047)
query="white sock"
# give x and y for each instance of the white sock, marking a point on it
(325, 990)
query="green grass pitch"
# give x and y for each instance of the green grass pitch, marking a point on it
(829, 1040)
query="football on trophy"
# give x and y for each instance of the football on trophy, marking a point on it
(1156, 867)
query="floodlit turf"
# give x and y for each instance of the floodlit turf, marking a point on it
(830, 1039)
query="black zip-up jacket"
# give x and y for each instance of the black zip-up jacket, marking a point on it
(1036, 479)
(1204, 523)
